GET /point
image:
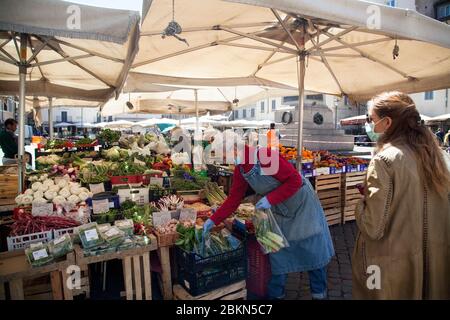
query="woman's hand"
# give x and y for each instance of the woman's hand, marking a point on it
(209, 224)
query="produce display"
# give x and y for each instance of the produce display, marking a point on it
(215, 195)
(109, 136)
(27, 224)
(38, 254)
(61, 246)
(170, 203)
(127, 226)
(113, 236)
(90, 235)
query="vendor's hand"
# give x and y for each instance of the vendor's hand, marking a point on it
(263, 204)
(207, 226)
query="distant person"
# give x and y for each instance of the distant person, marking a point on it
(272, 137)
(447, 139)
(440, 135)
(8, 142)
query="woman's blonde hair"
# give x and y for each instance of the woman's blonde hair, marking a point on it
(408, 129)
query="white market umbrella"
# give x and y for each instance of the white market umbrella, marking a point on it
(63, 125)
(119, 124)
(323, 46)
(441, 118)
(54, 48)
(154, 121)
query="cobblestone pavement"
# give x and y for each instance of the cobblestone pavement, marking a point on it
(339, 269)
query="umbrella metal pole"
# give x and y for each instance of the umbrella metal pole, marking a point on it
(22, 79)
(196, 112)
(301, 103)
(50, 117)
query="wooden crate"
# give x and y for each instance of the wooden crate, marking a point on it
(234, 291)
(329, 191)
(166, 240)
(351, 194)
(9, 187)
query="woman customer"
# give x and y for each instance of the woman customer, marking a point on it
(296, 209)
(403, 247)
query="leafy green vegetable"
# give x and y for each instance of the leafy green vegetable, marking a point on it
(109, 136)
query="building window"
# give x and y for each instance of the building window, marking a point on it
(391, 3)
(63, 116)
(262, 107)
(244, 113)
(443, 10)
(290, 99)
(318, 97)
(274, 105)
(252, 112)
(429, 95)
(236, 114)
(110, 118)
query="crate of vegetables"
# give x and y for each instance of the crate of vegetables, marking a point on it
(167, 234)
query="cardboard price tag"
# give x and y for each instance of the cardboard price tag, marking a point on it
(97, 188)
(100, 206)
(188, 214)
(161, 218)
(41, 209)
(157, 181)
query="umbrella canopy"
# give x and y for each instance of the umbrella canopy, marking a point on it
(361, 119)
(236, 43)
(86, 125)
(441, 118)
(155, 121)
(122, 124)
(65, 50)
(63, 125)
(210, 100)
(64, 60)
(333, 47)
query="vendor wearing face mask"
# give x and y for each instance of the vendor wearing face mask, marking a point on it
(295, 206)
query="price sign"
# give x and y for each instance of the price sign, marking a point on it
(161, 218)
(157, 181)
(97, 188)
(42, 209)
(188, 214)
(40, 254)
(100, 206)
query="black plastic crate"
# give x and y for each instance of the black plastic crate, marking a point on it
(195, 263)
(212, 278)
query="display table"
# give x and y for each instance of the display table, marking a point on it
(14, 268)
(136, 268)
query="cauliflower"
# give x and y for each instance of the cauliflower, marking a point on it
(58, 200)
(43, 177)
(180, 158)
(43, 188)
(39, 200)
(29, 192)
(62, 183)
(73, 199)
(83, 189)
(19, 199)
(48, 183)
(65, 192)
(83, 196)
(27, 199)
(38, 194)
(75, 190)
(36, 185)
(54, 188)
(50, 194)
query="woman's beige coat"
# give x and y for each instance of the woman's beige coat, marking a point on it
(404, 230)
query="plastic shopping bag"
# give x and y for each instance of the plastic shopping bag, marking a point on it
(268, 233)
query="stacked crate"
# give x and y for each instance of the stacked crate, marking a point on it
(329, 190)
(351, 194)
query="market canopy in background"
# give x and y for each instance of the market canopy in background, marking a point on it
(89, 62)
(360, 120)
(119, 124)
(210, 100)
(245, 40)
(441, 118)
(156, 121)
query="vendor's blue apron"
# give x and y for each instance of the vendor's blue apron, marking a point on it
(302, 221)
